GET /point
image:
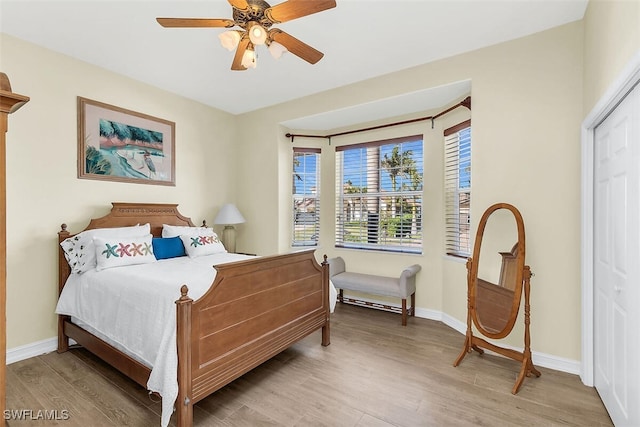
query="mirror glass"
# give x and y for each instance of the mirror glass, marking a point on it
(497, 284)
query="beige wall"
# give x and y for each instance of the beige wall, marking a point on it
(611, 38)
(527, 109)
(43, 190)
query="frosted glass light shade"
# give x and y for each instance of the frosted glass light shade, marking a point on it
(257, 34)
(249, 59)
(229, 39)
(228, 215)
(276, 49)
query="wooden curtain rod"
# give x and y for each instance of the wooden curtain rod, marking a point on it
(464, 103)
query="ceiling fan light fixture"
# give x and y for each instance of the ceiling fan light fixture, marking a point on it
(257, 34)
(249, 58)
(276, 49)
(230, 39)
(255, 18)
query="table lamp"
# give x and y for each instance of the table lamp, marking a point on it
(228, 216)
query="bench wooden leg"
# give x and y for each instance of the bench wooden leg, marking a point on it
(413, 304)
(404, 312)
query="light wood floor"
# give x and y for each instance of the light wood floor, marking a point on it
(375, 373)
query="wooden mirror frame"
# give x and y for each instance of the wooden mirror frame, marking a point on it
(519, 270)
(522, 279)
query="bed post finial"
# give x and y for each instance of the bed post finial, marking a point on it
(184, 290)
(63, 234)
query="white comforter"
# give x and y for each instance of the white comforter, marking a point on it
(118, 306)
(132, 308)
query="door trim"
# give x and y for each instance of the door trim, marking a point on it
(628, 78)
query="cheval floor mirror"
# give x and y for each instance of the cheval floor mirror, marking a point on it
(9, 103)
(497, 278)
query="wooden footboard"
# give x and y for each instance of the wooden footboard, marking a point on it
(253, 310)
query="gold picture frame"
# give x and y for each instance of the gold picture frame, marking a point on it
(116, 144)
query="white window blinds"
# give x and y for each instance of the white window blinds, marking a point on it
(379, 195)
(306, 196)
(457, 183)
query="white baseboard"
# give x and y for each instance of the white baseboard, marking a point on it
(27, 351)
(540, 359)
(427, 313)
(454, 323)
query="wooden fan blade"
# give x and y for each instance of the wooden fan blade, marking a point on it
(195, 23)
(296, 47)
(237, 59)
(294, 9)
(239, 4)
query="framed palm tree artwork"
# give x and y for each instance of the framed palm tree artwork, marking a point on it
(115, 144)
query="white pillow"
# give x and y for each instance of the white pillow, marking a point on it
(178, 230)
(80, 251)
(119, 251)
(198, 245)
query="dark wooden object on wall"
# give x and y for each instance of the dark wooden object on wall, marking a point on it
(9, 103)
(493, 307)
(276, 300)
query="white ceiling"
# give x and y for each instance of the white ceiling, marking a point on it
(361, 39)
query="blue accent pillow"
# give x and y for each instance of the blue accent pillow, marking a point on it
(168, 247)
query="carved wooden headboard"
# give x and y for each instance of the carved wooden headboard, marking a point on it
(127, 214)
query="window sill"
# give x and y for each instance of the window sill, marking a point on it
(453, 258)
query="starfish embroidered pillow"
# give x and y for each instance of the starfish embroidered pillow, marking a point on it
(80, 251)
(199, 245)
(120, 251)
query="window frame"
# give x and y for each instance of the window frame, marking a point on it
(457, 232)
(298, 199)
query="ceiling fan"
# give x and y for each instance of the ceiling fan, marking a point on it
(255, 19)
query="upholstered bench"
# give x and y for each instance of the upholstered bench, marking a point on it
(401, 287)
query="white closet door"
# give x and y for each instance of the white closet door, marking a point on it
(617, 261)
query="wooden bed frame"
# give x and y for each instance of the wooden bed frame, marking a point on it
(253, 310)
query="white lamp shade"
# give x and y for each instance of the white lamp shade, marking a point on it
(228, 215)
(229, 39)
(276, 49)
(257, 34)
